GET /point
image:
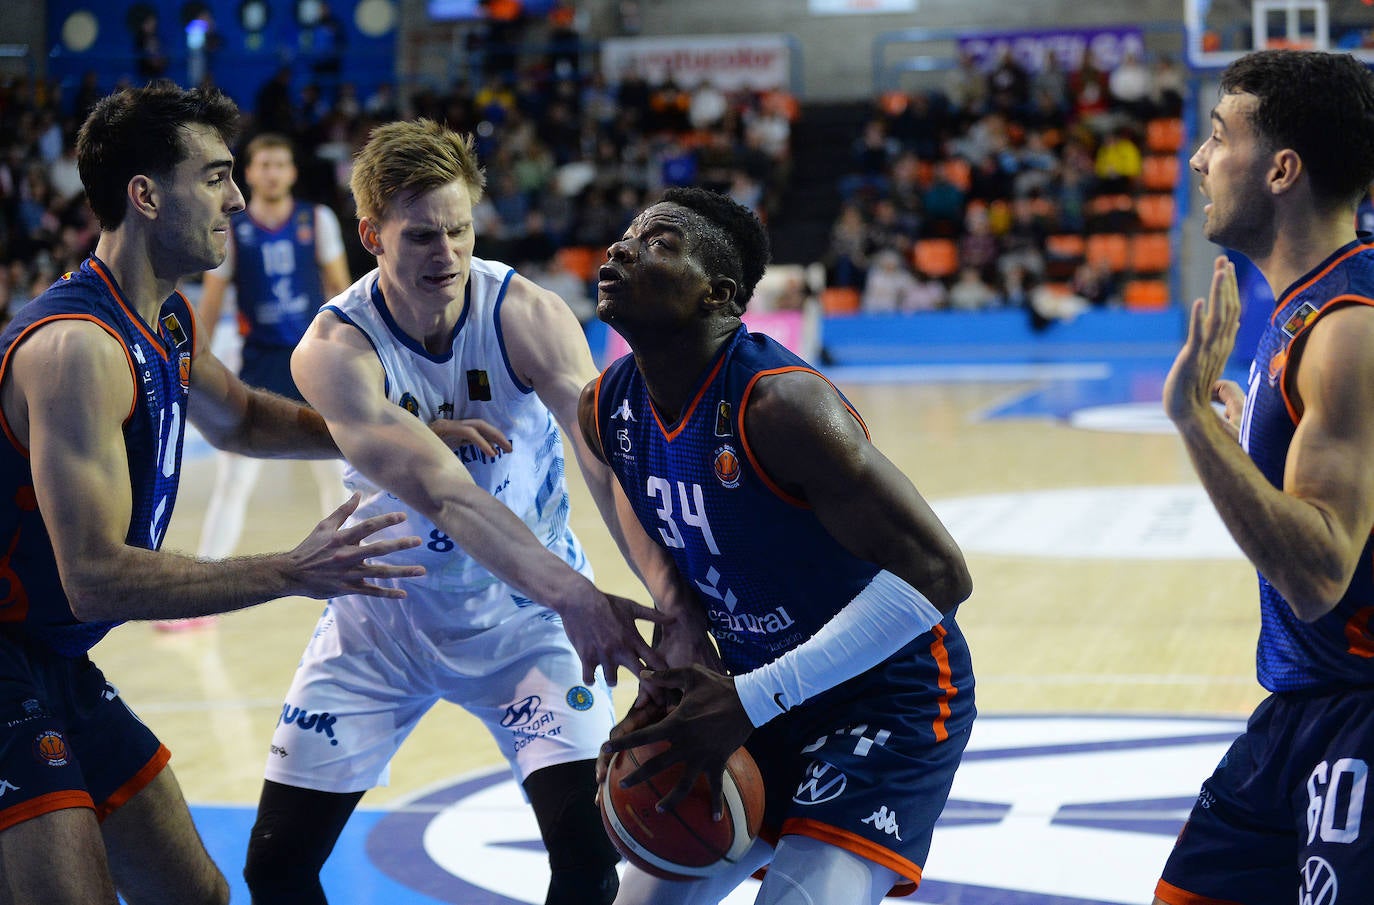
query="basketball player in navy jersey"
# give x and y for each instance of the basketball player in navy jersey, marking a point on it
(284, 258)
(1290, 154)
(98, 377)
(507, 622)
(826, 580)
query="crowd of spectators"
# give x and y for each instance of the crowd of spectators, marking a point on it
(996, 162)
(570, 157)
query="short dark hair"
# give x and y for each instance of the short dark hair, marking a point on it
(1319, 104)
(138, 131)
(737, 246)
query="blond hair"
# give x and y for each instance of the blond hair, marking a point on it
(406, 157)
(266, 141)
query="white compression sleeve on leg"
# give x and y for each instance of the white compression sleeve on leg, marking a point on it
(881, 619)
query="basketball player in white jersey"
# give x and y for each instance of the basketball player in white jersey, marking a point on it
(507, 623)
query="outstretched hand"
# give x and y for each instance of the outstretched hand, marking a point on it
(603, 630)
(1195, 378)
(333, 560)
(702, 731)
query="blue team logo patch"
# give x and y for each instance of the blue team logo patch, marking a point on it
(410, 404)
(725, 463)
(580, 698)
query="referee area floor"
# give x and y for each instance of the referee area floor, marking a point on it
(1112, 627)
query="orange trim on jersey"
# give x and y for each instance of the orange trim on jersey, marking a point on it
(596, 416)
(749, 449)
(5, 363)
(941, 656)
(1283, 371)
(1167, 892)
(1278, 305)
(909, 871)
(137, 783)
(44, 804)
(100, 271)
(686, 415)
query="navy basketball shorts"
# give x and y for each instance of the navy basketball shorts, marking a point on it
(66, 738)
(269, 368)
(1285, 817)
(863, 771)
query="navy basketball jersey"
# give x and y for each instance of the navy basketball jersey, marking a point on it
(277, 278)
(159, 357)
(1337, 650)
(766, 570)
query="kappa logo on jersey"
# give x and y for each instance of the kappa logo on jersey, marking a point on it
(884, 820)
(521, 712)
(726, 466)
(479, 386)
(580, 698)
(319, 722)
(822, 783)
(51, 748)
(723, 428)
(624, 413)
(7, 786)
(1319, 886)
(409, 403)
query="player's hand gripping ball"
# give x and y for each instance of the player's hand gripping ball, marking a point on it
(683, 843)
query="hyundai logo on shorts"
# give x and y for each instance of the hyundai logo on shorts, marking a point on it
(521, 712)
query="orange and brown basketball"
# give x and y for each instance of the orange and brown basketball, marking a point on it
(683, 843)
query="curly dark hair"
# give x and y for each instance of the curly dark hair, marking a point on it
(735, 244)
(139, 131)
(1319, 104)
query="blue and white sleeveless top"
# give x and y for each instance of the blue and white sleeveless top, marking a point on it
(277, 276)
(1336, 651)
(159, 356)
(473, 378)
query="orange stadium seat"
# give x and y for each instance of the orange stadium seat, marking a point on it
(936, 257)
(1146, 295)
(1164, 135)
(1159, 172)
(840, 300)
(1150, 253)
(1155, 211)
(580, 261)
(1111, 248)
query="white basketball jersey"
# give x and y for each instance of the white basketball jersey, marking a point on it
(473, 379)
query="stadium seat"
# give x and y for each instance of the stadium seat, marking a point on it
(936, 257)
(1111, 248)
(840, 300)
(1164, 135)
(1146, 295)
(1156, 212)
(1159, 172)
(580, 261)
(1150, 253)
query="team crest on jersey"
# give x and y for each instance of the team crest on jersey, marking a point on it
(580, 698)
(726, 465)
(409, 403)
(1306, 314)
(1276, 363)
(184, 371)
(723, 420)
(51, 748)
(305, 229)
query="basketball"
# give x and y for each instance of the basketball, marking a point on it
(683, 843)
